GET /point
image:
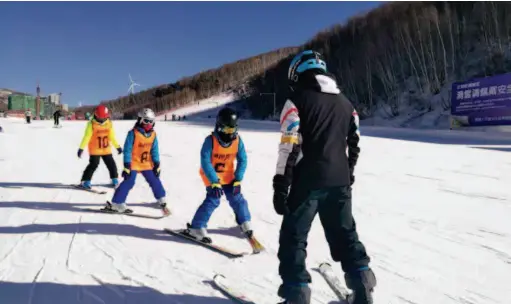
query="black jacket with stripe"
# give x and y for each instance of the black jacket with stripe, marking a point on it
(320, 135)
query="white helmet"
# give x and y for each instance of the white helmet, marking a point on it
(146, 119)
(147, 114)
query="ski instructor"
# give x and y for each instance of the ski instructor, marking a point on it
(318, 152)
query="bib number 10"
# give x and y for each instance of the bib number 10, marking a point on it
(103, 142)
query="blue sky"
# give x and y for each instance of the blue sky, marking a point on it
(86, 49)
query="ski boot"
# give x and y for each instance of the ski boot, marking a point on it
(115, 183)
(362, 283)
(200, 234)
(117, 208)
(162, 204)
(246, 229)
(295, 294)
(86, 185)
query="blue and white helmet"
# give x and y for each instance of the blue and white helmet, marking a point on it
(306, 60)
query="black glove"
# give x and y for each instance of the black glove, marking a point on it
(352, 177)
(236, 187)
(215, 190)
(127, 170)
(156, 169)
(280, 193)
(80, 151)
(119, 150)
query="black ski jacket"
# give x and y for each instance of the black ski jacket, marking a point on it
(319, 135)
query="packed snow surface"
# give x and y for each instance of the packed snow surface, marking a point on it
(202, 107)
(432, 207)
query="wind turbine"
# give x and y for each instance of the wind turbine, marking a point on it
(133, 84)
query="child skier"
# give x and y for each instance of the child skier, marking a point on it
(141, 155)
(218, 172)
(99, 134)
(56, 118)
(28, 115)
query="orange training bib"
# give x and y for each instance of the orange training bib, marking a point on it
(99, 143)
(141, 159)
(222, 160)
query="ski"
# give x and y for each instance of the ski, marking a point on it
(214, 247)
(257, 247)
(228, 289)
(154, 217)
(166, 211)
(80, 187)
(326, 271)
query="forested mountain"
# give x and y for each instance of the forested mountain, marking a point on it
(399, 53)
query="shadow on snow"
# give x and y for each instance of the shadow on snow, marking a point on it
(57, 293)
(500, 149)
(446, 137)
(21, 185)
(72, 207)
(234, 231)
(93, 229)
(96, 228)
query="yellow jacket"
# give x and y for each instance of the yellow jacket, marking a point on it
(89, 132)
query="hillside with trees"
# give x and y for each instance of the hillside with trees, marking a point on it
(230, 76)
(400, 54)
(403, 53)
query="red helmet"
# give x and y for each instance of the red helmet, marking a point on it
(102, 112)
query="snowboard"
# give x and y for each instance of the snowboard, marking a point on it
(220, 249)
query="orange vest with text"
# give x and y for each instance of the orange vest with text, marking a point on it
(222, 159)
(141, 159)
(99, 143)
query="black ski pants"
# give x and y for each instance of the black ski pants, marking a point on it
(94, 163)
(334, 208)
(56, 120)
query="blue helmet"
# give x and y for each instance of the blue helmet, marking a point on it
(306, 60)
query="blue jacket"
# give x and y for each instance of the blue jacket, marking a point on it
(128, 146)
(207, 166)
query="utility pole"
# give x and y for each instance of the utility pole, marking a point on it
(274, 102)
(37, 102)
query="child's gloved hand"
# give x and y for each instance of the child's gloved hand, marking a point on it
(216, 190)
(156, 169)
(236, 187)
(127, 170)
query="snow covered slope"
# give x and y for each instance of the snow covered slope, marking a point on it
(204, 107)
(432, 208)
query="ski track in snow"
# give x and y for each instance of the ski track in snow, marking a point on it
(433, 212)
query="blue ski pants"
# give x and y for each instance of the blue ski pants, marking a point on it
(121, 193)
(237, 202)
